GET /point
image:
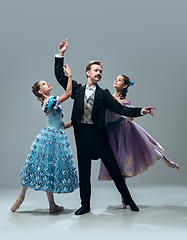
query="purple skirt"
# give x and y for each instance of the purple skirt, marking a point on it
(134, 149)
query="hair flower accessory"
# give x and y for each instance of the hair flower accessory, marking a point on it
(131, 83)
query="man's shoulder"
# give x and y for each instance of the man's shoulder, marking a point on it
(78, 87)
(104, 93)
(103, 90)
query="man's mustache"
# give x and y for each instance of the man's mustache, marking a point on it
(99, 76)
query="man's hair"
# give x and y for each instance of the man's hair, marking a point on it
(92, 63)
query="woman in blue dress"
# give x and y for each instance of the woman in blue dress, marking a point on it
(49, 164)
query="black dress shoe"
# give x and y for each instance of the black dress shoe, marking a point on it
(82, 210)
(133, 206)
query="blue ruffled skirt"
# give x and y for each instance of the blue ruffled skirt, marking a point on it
(49, 165)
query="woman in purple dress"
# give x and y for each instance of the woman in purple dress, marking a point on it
(134, 149)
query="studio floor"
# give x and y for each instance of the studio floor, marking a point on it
(163, 214)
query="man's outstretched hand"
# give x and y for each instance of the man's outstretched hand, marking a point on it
(148, 110)
(63, 47)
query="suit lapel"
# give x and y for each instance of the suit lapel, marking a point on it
(80, 98)
(97, 99)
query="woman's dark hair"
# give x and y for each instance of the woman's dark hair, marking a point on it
(35, 89)
(126, 82)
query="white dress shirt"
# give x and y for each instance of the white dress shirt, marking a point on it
(89, 90)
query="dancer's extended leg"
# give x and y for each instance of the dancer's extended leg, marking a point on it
(19, 199)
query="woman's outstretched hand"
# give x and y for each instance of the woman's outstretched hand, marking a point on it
(67, 70)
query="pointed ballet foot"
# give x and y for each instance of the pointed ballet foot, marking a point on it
(170, 164)
(173, 165)
(17, 204)
(133, 206)
(82, 210)
(124, 206)
(56, 209)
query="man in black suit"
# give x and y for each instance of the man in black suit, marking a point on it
(88, 119)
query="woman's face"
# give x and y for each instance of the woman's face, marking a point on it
(45, 88)
(119, 83)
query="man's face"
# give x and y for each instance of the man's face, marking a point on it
(95, 73)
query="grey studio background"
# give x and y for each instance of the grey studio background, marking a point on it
(146, 40)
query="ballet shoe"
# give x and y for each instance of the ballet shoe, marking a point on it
(173, 165)
(17, 204)
(82, 210)
(56, 209)
(123, 204)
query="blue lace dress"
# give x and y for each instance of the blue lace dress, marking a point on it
(49, 165)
